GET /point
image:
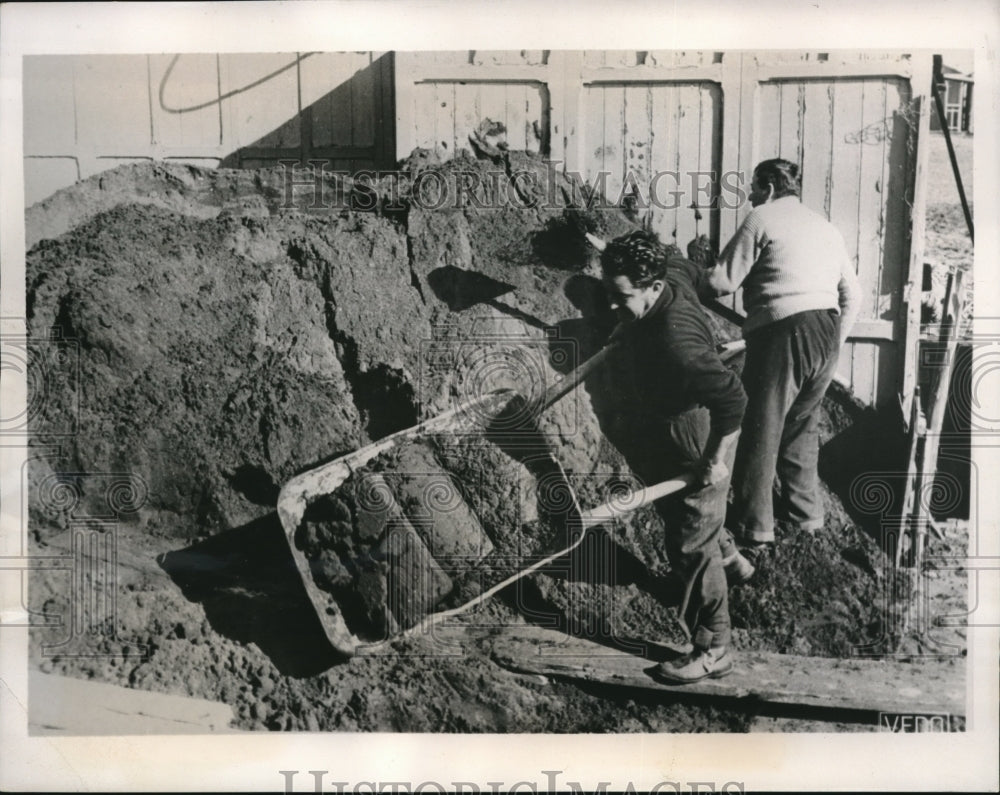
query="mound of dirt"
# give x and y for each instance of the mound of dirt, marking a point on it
(228, 334)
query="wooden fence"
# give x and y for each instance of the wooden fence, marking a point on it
(677, 134)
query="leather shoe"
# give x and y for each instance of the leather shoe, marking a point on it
(699, 664)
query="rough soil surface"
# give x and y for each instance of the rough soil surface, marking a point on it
(224, 340)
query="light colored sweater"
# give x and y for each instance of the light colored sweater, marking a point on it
(788, 259)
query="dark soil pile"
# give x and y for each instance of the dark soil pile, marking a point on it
(227, 339)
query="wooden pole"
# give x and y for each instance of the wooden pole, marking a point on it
(918, 428)
(951, 314)
(951, 149)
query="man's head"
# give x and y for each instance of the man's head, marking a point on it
(774, 179)
(633, 267)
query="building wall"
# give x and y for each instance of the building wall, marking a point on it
(674, 132)
(87, 113)
(957, 100)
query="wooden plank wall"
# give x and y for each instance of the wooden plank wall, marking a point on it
(637, 122)
(850, 138)
(655, 140)
(647, 122)
(87, 113)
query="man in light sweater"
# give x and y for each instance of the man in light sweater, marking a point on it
(801, 297)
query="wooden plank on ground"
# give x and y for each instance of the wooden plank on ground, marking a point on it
(59, 705)
(925, 687)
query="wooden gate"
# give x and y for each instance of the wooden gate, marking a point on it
(676, 136)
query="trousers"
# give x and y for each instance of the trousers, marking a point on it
(789, 366)
(695, 539)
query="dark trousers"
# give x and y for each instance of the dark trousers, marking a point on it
(789, 365)
(693, 518)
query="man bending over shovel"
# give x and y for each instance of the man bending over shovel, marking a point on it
(680, 411)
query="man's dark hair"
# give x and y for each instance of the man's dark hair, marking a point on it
(639, 256)
(782, 175)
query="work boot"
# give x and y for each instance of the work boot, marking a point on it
(699, 664)
(738, 569)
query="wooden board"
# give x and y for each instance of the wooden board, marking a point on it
(59, 705)
(926, 687)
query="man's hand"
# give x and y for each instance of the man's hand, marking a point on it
(710, 473)
(712, 468)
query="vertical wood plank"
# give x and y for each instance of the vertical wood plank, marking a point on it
(910, 322)
(845, 166)
(744, 92)
(362, 100)
(867, 239)
(422, 105)
(816, 146)
(688, 140)
(899, 374)
(559, 90)
(790, 144)
(444, 120)
(516, 114)
(712, 145)
(538, 117)
(592, 129)
(768, 134)
(337, 107)
(636, 143)
(871, 135)
(706, 162)
(845, 365)
(404, 98)
(466, 114)
(341, 109)
(897, 209)
(663, 160)
(864, 371)
(385, 129)
(614, 140)
(730, 211)
(493, 104)
(325, 81)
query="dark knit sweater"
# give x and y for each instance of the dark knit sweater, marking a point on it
(667, 364)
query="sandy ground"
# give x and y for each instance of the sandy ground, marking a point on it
(226, 344)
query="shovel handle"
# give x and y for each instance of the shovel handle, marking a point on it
(569, 381)
(633, 500)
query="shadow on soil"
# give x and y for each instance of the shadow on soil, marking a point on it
(246, 580)
(864, 464)
(598, 560)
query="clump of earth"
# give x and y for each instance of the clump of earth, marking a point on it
(219, 334)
